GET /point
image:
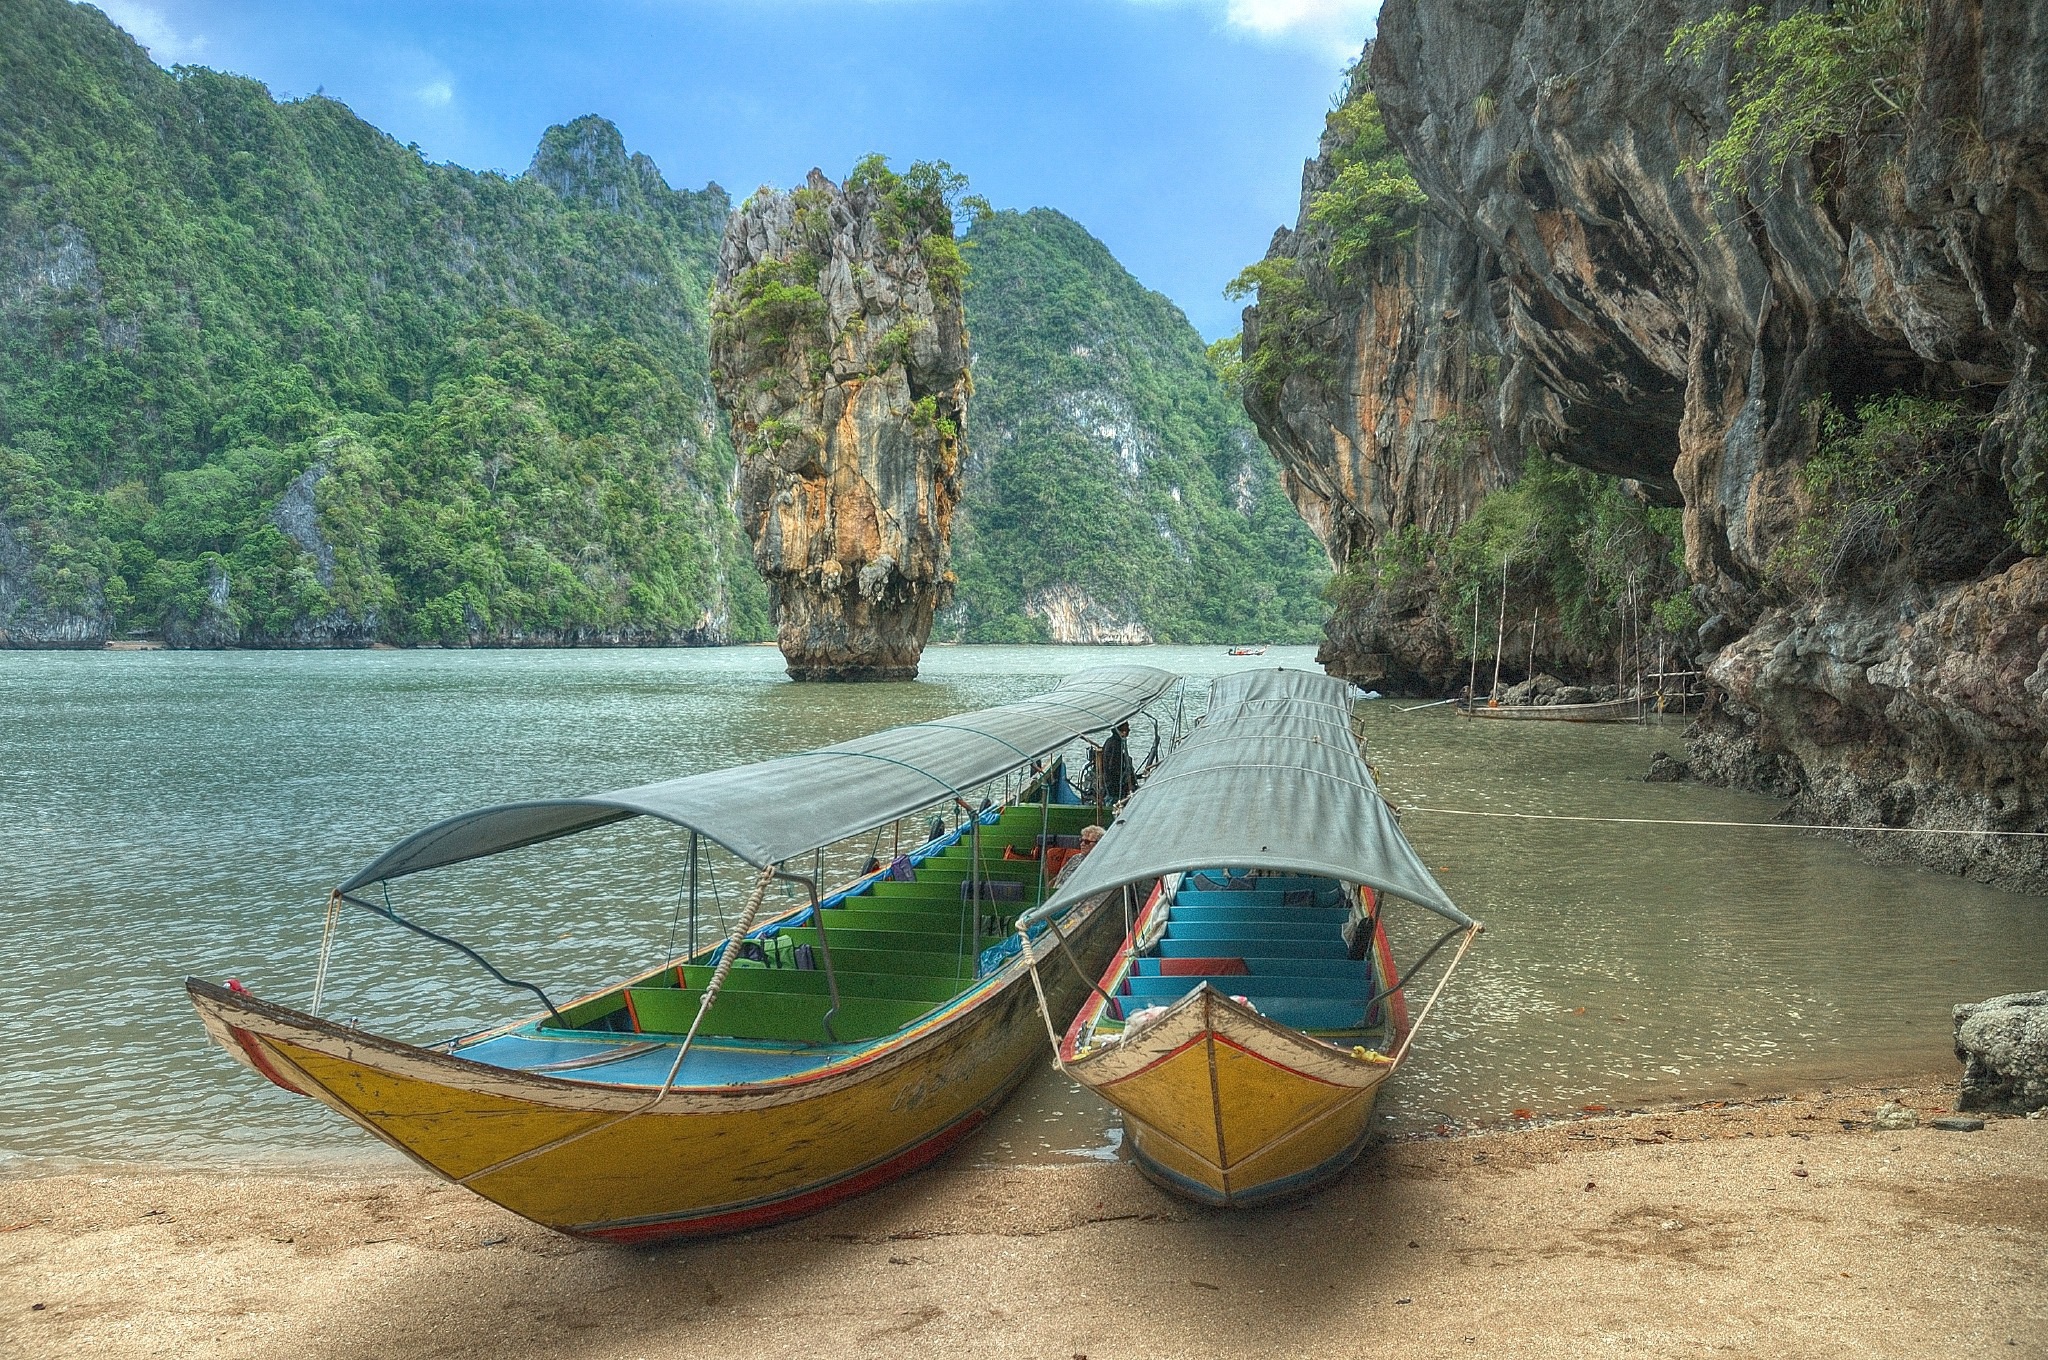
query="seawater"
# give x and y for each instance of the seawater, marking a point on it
(174, 813)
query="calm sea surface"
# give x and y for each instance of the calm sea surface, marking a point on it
(167, 813)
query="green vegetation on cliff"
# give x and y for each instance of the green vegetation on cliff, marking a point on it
(1370, 204)
(1877, 493)
(1113, 482)
(1816, 74)
(266, 375)
(1577, 552)
(1373, 199)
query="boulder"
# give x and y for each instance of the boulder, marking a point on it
(1534, 690)
(1665, 770)
(2003, 1046)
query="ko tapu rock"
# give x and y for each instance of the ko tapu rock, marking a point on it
(839, 353)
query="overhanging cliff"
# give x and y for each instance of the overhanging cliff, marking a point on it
(1743, 350)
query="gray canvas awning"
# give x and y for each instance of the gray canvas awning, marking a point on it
(1270, 779)
(781, 808)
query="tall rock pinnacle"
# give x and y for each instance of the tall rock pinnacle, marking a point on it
(839, 353)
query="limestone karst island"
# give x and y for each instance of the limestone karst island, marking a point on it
(1089, 678)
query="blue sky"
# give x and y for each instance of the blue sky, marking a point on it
(1173, 129)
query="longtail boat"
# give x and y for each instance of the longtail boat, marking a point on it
(806, 1057)
(1251, 1015)
(1604, 711)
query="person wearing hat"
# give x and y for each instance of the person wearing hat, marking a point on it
(1114, 775)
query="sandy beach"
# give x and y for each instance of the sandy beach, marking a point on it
(1778, 1226)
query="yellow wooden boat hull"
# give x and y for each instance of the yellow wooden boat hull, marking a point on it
(1226, 1107)
(613, 1162)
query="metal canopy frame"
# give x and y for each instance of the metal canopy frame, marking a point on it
(1271, 778)
(772, 811)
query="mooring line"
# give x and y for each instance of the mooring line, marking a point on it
(1681, 821)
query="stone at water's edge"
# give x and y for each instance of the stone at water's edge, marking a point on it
(839, 352)
(2003, 1046)
(1666, 770)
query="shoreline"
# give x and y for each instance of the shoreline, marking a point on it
(1770, 1224)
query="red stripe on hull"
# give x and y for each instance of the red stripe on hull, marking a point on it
(913, 1158)
(261, 1063)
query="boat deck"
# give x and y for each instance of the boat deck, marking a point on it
(1275, 941)
(900, 950)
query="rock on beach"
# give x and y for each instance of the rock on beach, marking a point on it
(2003, 1046)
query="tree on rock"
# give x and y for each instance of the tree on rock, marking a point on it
(839, 353)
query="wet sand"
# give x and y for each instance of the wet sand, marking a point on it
(1763, 1227)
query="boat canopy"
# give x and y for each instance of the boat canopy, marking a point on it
(777, 809)
(1272, 779)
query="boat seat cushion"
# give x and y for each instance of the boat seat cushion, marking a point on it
(1202, 967)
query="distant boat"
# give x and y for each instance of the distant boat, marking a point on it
(1248, 651)
(1246, 1024)
(819, 1054)
(1605, 711)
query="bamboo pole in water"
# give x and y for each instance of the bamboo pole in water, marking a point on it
(1472, 681)
(1500, 640)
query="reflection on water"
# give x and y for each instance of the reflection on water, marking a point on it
(170, 813)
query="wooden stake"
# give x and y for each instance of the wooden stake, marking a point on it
(1472, 682)
(1500, 640)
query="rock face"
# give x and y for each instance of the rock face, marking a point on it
(29, 617)
(1399, 424)
(1646, 328)
(2003, 1046)
(1072, 616)
(839, 353)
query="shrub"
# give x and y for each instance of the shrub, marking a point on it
(1866, 484)
(1570, 543)
(1801, 80)
(1371, 204)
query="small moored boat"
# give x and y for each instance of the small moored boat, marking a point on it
(812, 1054)
(1604, 711)
(1246, 1024)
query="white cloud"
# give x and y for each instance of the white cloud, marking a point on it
(147, 25)
(1339, 27)
(1277, 17)
(434, 93)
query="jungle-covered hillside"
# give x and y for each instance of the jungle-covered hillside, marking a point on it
(1115, 488)
(268, 377)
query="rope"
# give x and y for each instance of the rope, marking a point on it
(1090, 983)
(1416, 1028)
(1759, 826)
(675, 918)
(718, 975)
(326, 949)
(390, 914)
(726, 958)
(1031, 966)
(1413, 968)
